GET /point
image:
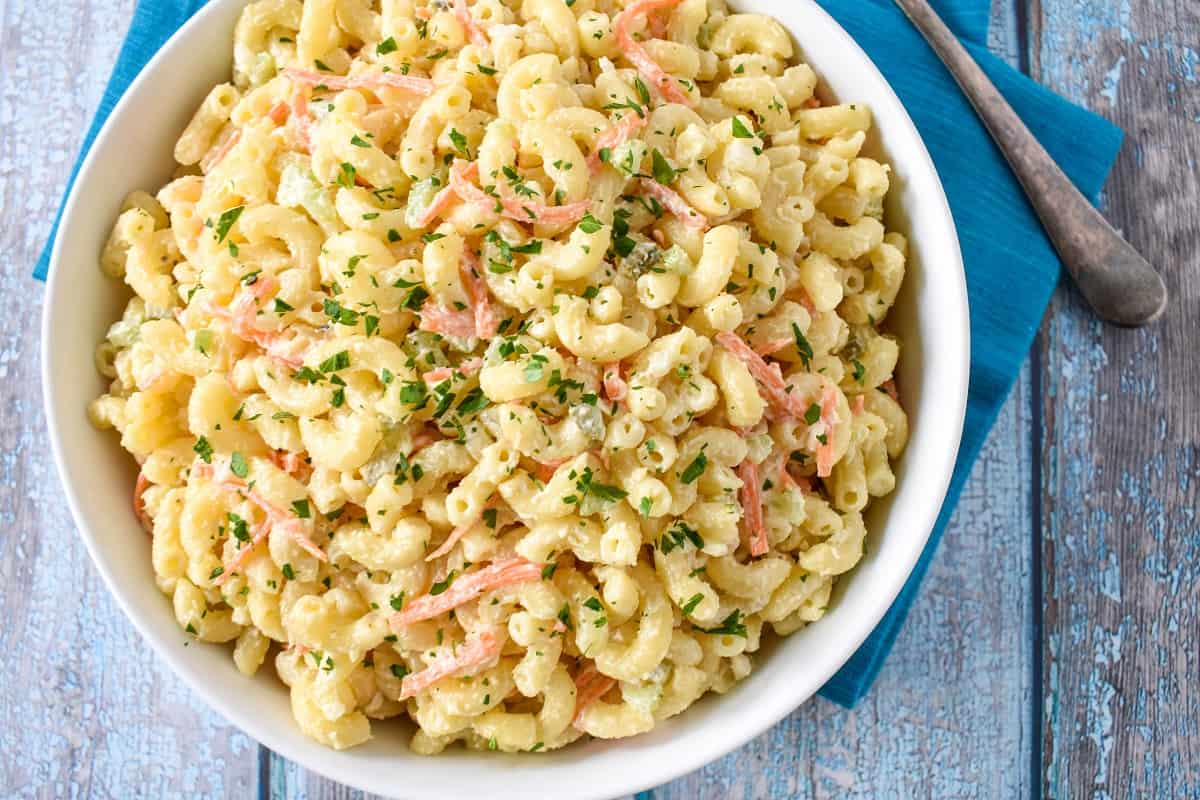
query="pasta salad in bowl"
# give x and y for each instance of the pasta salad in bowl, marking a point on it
(518, 370)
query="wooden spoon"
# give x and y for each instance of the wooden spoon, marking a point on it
(1119, 284)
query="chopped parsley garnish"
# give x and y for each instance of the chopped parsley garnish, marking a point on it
(416, 298)
(414, 393)
(388, 45)
(226, 220)
(281, 307)
(812, 414)
(662, 170)
(692, 602)
(740, 131)
(460, 143)
(802, 345)
(203, 341)
(678, 535)
(535, 369)
(238, 527)
(396, 601)
(473, 402)
(859, 370)
(730, 626)
(358, 141)
(590, 224)
(338, 314)
(288, 572)
(347, 175)
(695, 469)
(586, 485)
(238, 465)
(564, 616)
(444, 584)
(301, 509)
(337, 361)
(642, 91)
(308, 375)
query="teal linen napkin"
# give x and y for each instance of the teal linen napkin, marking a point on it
(1003, 244)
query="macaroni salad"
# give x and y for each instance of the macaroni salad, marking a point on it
(509, 365)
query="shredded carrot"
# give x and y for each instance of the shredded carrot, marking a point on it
(506, 204)
(858, 404)
(479, 650)
(829, 417)
(624, 130)
(275, 516)
(424, 438)
(646, 66)
(487, 321)
(468, 367)
(474, 32)
(658, 25)
(241, 314)
(279, 113)
(448, 322)
(458, 533)
(442, 201)
(803, 298)
(545, 469)
(768, 375)
(590, 686)
(139, 502)
(672, 202)
(752, 508)
(217, 154)
(767, 348)
(375, 80)
(889, 386)
(615, 387)
(813, 102)
(466, 588)
(301, 117)
(243, 555)
(291, 463)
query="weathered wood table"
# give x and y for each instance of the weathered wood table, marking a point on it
(1055, 648)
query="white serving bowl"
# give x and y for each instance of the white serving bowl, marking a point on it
(134, 151)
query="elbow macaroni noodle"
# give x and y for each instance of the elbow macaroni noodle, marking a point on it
(506, 364)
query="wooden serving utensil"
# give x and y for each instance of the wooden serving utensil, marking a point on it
(1119, 284)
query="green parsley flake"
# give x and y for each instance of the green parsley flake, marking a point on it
(225, 222)
(695, 469)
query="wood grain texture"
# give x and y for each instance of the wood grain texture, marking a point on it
(87, 709)
(1120, 459)
(90, 712)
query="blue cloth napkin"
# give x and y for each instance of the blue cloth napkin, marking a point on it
(1011, 268)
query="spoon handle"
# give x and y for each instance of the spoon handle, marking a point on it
(1119, 284)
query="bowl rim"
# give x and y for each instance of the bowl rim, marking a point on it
(241, 716)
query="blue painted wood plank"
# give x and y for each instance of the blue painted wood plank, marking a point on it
(1121, 465)
(105, 720)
